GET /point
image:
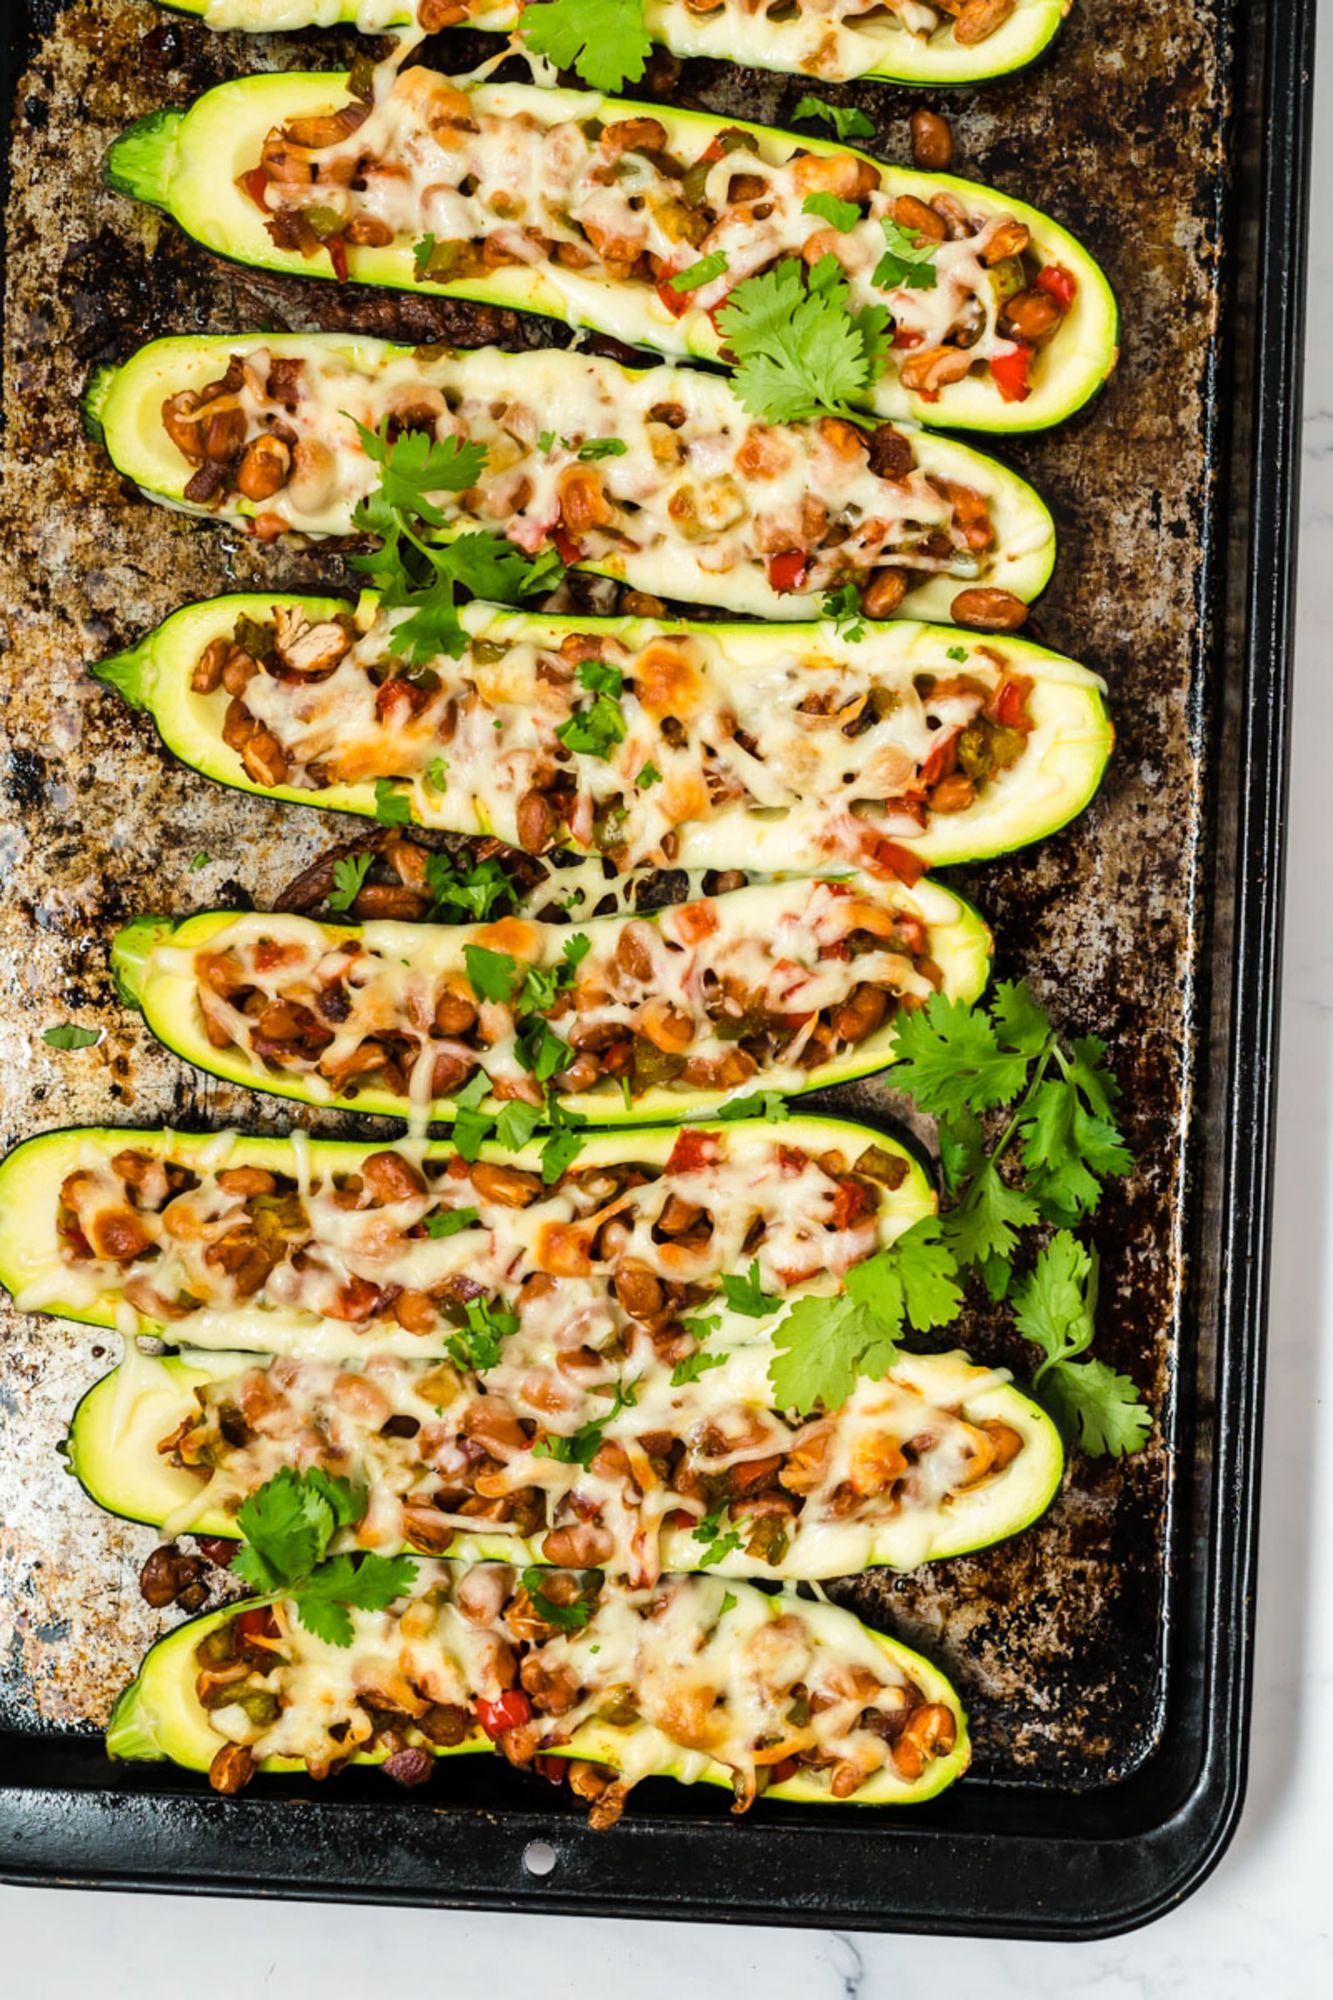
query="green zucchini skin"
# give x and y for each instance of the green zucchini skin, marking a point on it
(122, 409)
(187, 163)
(33, 1272)
(111, 1449)
(1027, 35)
(154, 676)
(158, 1718)
(959, 942)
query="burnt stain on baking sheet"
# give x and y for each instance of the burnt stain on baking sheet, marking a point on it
(1057, 1640)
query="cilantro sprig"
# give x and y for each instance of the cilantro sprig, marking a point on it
(605, 42)
(800, 351)
(846, 120)
(289, 1523)
(415, 573)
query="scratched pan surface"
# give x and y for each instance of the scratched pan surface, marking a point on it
(1104, 1655)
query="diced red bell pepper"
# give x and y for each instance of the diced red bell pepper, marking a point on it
(217, 1549)
(904, 337)
(888, 857)
(255, 184)
(566, 547)
(942, 760)
(337, 249)
(511, 1711)
(676, 303)
(1010, 369)
(1061, 284)
(257, 1624)
(691, 1151)
(850, 1203)
(1008, 704)
(787, 571)
(792, 1159)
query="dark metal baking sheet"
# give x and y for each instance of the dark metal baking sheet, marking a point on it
(1105, 1654)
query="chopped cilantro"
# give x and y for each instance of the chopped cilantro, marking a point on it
(566, 1617)
(799, 350)
(649, 775)
(349, 872)
(288, 1524)
(392, 805)
(841, 215)
(909, 262)
(846, 120)
(702, 273)
(437, 774)
(767, 1104)
(594, 448)
(545, 440)
(746, 1294)
(956, 653)
(450, 1221)
(66, 1036)
(605, 42)
(494, 975)
(843, 606)
(717, 1546)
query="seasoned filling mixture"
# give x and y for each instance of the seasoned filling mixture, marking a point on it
(466, 1254)
(587, 740)
(689, 1467)
(474, 180)
(767, 983)
(604, 466)
(680, 1674)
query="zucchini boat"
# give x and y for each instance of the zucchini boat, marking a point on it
(725, 746)
(937, 1459)
(898, 41)
(786, 986)
(693, 1680)
(327, 1249)
(637, 220)
(654, 476)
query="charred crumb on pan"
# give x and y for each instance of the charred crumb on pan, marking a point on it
(1062, 1626)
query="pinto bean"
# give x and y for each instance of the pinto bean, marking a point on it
(891, 454)
(633, 135)
(389, 900)
(840, 174)
(176, 414)
(909, 212)
(989, 610)
(207, 675)
(536, 823)
(168, 1576)
(263, 470)
(932, 141)
(953, 794)
(232, 1769)
(581, 1545)
(313, 473)
(247, 1181)
(454, 1013)
(368, 231)
(981, 18)
(389, 1177)
(508, 1187)
(885, 591)
(117, 1234)
(860, 1014)
(445, 1723)
(415, 1312)
(638, 1289)
(583, 503)
(223, 434)
(1029, 315)
(409, 1766)
(264, 759)
(1011, 239)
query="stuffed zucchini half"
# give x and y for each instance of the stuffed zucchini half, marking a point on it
(656, 476)
(784, 986)
(722, 746)
(327, 1250)
(638, 220)
(898, 41)
(937, 1458)
(692, 1679)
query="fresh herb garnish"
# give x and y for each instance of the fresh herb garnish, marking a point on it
(846, 120)
(606, 42)
(649, 775)
(767, 1104)
(595, 448)
(66, 1036)
(349, 872)
(493, 975)
(956, 653)
(475, 889)
(746, 1295)
(595, 731)
(717, 1546)
(695, 1365)
(437, 774)
(843, 607)
(393, 807)
(478, 1345)
(841, 215)
(450, 1221)
(288, 1524)
(201, 860)
(565, 1617)
(909, 262)
(703, 273)
(800, 351)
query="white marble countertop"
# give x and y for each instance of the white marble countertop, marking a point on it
(1262, 1924)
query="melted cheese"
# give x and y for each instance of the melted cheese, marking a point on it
(713, 1675)
(730, 731)
(768, 960)
(873, 1483)
(342, 1264)
(506, 169)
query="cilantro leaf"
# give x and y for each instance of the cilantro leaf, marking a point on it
(595, 731)
(1022, 1023)
(367, 1583)
(474, 889)
(909, 262)
(746, 1294)
(703, 273)
(201, 860)
(717, 1545)
(392, 806)
(841, 215)
(516, 1123)
(348, 875)
(422, 253)
(600, 677)
(846, 120)
(843, 606)
(767, 1104)
(541, 1051)
(950, 1059)
(472, 1127)
(450, 1221)
(648, 775)
(415, 466)
(799, 350)
(566, 1617)
(288, 1523)
(985, 1223)
(1102, 1409)
(567, 1140)
(595, 448)
(695, 1365)
(913, 1277)
(478, 1345)
(65, 1035)
(606, 42)
(821, 1346)
(494, 975)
